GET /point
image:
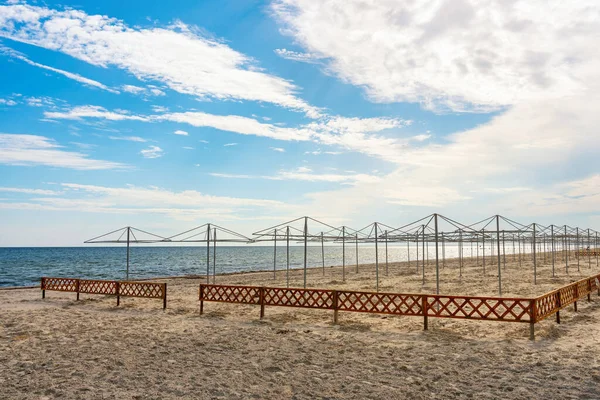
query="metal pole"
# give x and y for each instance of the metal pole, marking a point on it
(589, 249)
(423, 255)
(343, 254)
(208, 254)
(503, 250)
(127, 271)
(552, 247)
(376, 261)
(483, 258)
(417, 240)
(214, 255)
(287, 245)
(305, 246)
(437, 261)
(323, 252)
(498, 245)
(460, 251)
(566, 251)
(423, 258)
(275, 255)
(356, 239)
(534, 258)
(577, 247)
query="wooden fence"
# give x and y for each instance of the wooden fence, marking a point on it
(504, 309)
(150, 290)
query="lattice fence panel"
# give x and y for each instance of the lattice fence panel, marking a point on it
(230, 294)
(142, 289)
(309, 298)
(547, 305)
(582, 288)
(97, 287)
(381, 303)
(567, 294)
(466, 307)
(59, 284)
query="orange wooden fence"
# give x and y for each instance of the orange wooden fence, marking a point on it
(151, 290)
(504, 309)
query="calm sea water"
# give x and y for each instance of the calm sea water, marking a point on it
(24, 266)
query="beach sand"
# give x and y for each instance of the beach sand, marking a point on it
(91, 349)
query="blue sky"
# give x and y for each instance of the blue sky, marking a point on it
(166, 116)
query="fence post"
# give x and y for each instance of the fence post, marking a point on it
(165, 296)
(558, 305)
(43, 286)
(118, 288)
(532, 321)
(424, 308)
(77, 287)
(589, 282)
(262, 302)
(335, 307)
(201, 296)
(576, 297)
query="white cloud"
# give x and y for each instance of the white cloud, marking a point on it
(33, 150)
(150, 91)
(180, 132)
(234, 123)
(296, 56)
(152, 152)
(133, 89)
(157, 92)
(187, 148)
(8, 102)
(230, 144)
(278, 149)
(160, 109)
(76, 77)
(462, 55)
(304, 174)
(131, 200)
(128, 138)
(177, 56)
(42, 192)
(355, 134)
(78, 113)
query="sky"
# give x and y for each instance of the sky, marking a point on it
(168, 115)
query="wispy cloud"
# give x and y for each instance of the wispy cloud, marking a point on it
(42, 192)
(180, 132)
(278, 149)
(230, 144)
(128, 138)
(34, 150)
(76, 77)
(304, 174)
(152, 53)
(152, 152)
(310, 58)
(355, 134)
(8, 102)
(78, 113)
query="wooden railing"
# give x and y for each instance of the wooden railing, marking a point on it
(504, 309)
(119, 289)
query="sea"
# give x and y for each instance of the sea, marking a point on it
(24, 266)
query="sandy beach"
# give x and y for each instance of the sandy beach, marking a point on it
(90, 349)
